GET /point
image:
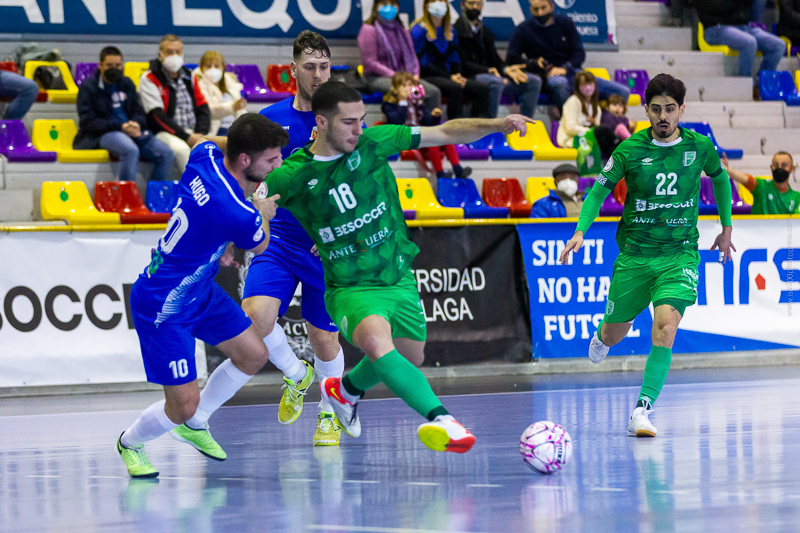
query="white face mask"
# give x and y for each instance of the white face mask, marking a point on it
(173, 63)
(568, 186)
(214, 74)
(437, 9)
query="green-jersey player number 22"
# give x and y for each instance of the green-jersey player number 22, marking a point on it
(662, 180)
(343, 196)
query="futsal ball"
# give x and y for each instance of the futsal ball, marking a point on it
(545, 447)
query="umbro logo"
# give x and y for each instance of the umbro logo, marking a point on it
(313, 183)
(647, 161)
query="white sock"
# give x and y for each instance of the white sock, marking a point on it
(282, 356)
(329, 369)
(222, 385)
(151, 424)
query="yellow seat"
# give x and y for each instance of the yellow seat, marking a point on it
(134, 71)
(537, 140)
(416, 194)
(599, 72)
(744, 192)
(360, 70)
(641, 125)
(68, 96)
(797, 78)
(57, 136)
(70, 201)
(705, 47)
(538, 188)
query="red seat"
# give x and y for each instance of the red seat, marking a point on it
(280, 79)
(123, 197)
(621, 191)
(10, 66)
(506, 192)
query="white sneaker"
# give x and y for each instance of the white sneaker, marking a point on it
(640, 425)
(597, 350)
(345, 411)
(444, 434)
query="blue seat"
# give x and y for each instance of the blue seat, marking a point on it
(372, 98)
(162, 196)
(498, 147)
(778, 85)
(704, 129)
(462, 192)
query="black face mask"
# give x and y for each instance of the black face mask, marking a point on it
(112, 75)
(472, 14)
(543, 19)
(780, 175)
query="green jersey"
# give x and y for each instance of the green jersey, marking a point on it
(350, 207)
(663, 179)
(768, 200)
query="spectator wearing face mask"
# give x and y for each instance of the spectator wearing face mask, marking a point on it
(112, 118)
(581, 111)
(176, 109)
(222, 91)
(564, 201)
(770, 197)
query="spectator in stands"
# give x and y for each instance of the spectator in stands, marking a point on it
(222, 92)
(481, 62)
(770, 197)
(112, 118)
(581, 111)
(21, 89)
(789, 20)
(436, 45)
(726, 22)
(386, 47)
(614, 118)
(177, 112)
(564, 201)
(554, 50)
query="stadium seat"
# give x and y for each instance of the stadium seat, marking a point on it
(538, 188)
(641, 125)
(538, 141)
(633, 99)
(416, 194)
(65, 96)
(506, 192)
(134, 71)
(499, 149)
(620, 192)
(744, 193)
(57, 136)
(611, 207)
(372, 98)
(797, 79)
(10, 66)
(162, 196)
(708, 204)
(16, 145)
(778, 85)
(462, 192)
(554, 125)
(70, 201)
(704, 129)
(254, 88)
(192, 66)
(84, 71)
(636, 80)
(705, 47)
(409, 214)
(584, 184)
(280, 79)
(123, 197)
(471, 152)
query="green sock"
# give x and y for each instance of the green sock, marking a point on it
(361, 378)
(599, 329)
(408, 383)
(655, 372)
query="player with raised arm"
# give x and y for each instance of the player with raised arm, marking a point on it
(657, 234)
(272, 277)
(343, 192)
(176, 300)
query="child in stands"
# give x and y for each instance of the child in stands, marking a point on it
(614, 118)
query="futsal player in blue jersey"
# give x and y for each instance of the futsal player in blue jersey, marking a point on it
(273, 276)
(175, 299)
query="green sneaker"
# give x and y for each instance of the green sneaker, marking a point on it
(291, 405)
(201, 439)
(328, 430)
(135, 460)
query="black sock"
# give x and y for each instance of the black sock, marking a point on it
(441, 174)
(458, 170)
(350, 388)
(643, 403)
(437, 411)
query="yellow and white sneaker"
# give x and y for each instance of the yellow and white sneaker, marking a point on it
(291, 405)
(444, 434)
(329, 432)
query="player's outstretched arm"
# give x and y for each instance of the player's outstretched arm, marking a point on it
(737, 175)
(221, 142)
(266, 208)
(467, 130)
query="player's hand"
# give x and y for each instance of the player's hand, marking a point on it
(513, 123)
(573, 245)
(239, 104)
(266, 206)
(227, 259)
(724, 160)
(314, 250)
(724, 244)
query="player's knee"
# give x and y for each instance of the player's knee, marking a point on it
(373, 345)
(258, 315)
(663, 334)
(416, 358)
(183, 408)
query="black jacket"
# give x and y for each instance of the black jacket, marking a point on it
(477, 50)
(727, 12)
(398, 114)
(95, 111)
(789, 20)
(560, 44)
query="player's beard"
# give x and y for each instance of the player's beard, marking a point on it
(657, 133)
(252, 177)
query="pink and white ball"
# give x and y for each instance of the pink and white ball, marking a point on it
(545, 447)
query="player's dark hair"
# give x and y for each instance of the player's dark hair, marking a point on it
(253, 133)
(665, 85)
(109, 51)
(330, 94)
(309, 42)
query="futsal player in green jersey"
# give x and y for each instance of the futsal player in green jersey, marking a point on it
(657, 235)
(343, 192)
(770, 197)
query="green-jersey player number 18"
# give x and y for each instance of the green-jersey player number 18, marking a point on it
(344, 197)
(657, 233)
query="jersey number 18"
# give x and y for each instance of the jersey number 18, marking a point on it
(343, 196)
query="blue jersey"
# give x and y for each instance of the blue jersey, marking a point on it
(302, 128)
(211, 212)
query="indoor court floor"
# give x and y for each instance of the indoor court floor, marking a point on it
(725, 460)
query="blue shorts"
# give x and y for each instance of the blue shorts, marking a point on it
(168, 349)
(276, 273)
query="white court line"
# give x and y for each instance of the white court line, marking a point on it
(547, 487)
(104, 477)
(234, 478)
(367, 529)
(676, 492)
(423, 483)
(370, 481)
(43, 475)
(608, 489)
(298, 479)
(487, 485)
(182, 478)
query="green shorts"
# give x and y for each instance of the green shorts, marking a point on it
(399, 305)
(637, 281)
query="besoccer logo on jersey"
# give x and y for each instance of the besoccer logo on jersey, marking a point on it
(688, 158)
(353, 161)
(641, 205)
(327, 234)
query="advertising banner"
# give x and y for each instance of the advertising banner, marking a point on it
(746, 304)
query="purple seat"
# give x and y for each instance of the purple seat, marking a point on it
(409, 214)
(554, 131)
(16, 145)
(707, 200)
(635, 80)
(611, 208)
(472, 154)
(254, 88)
(84, 71)
(584, 184)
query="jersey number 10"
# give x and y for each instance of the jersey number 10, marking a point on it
(662, 180)
(343, 196)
